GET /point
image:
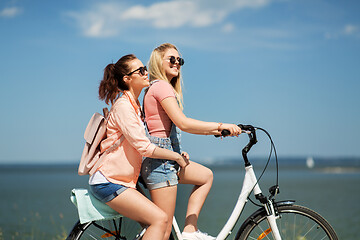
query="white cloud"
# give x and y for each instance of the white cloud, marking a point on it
(228, 28)
(102, 20)
(110, 18)
(175, 14)
(351, 29)
(10, 12)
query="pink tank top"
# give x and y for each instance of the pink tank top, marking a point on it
(158, 122)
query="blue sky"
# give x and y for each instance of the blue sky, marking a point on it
(291, 67)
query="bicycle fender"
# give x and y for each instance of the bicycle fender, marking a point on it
(262, 211)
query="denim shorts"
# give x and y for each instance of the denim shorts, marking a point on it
(159, 173)
(106, 192)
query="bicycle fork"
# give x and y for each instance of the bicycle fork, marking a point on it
(269, 207)
(271, 217)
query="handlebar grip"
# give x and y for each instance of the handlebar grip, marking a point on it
(224, 133)
(246, 127)
(243, 127)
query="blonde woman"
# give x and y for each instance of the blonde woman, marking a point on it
(164, 117)
(114, 181)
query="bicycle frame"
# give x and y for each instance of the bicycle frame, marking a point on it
(250, 184)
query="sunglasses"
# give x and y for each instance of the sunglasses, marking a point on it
(173, 60)
(142, 71)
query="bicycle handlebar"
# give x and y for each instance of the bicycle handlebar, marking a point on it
(250, 130)
(245, 129)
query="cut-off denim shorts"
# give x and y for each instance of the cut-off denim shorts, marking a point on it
(159, 173)
(106, 192)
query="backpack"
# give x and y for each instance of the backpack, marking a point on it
(95, 132)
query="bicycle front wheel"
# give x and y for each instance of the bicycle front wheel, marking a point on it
(294, 222)
(120, 228)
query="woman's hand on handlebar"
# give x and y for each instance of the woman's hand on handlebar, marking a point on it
(234, 129)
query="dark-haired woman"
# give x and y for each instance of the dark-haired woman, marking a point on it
(114, 182)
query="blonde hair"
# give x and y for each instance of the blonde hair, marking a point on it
(156, 71)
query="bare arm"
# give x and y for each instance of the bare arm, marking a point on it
(194, 126)
(170, 155)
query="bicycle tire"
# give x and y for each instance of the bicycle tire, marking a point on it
(119, 228)
(294, 222)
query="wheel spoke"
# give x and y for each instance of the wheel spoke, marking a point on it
(119, 229)
(294, 222)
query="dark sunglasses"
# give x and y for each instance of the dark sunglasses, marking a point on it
(179, 59)
(142, 71)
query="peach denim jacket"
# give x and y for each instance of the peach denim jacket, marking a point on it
(122, 165)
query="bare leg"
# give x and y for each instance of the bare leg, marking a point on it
(165, 198)
(134, 205)
(202, 178)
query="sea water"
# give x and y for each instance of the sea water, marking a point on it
(35, 199)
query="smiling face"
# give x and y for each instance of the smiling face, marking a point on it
(171, 69)
(136, 80)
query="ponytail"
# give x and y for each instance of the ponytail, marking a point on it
(113, 81)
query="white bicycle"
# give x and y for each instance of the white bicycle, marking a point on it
(274, 220)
